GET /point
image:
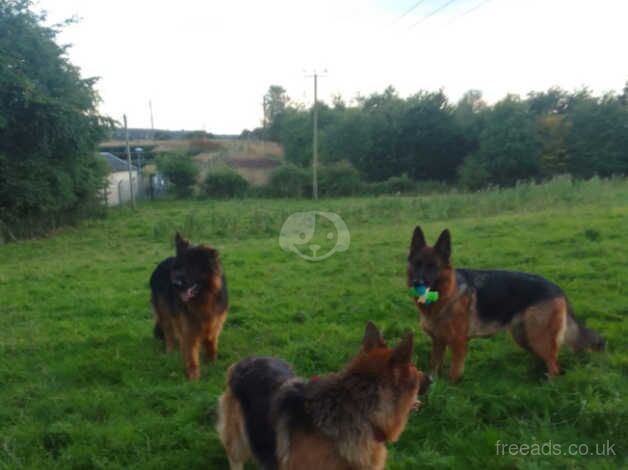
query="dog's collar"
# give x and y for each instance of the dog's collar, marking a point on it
(462, 289)
(445, 311)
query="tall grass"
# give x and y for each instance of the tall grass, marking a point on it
(253, 218)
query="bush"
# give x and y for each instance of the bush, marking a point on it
(198, 146)
(473, 174)
(400, 184)
(49, 129)
(180, 171)
(289, 181)
(339, 179)
(259, 192)
(225, 183)
(394, 185)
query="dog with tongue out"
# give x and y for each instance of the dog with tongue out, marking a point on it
(189, 298)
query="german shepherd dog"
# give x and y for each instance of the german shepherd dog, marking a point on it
(340, 421)
(474, 303)
(189, 297)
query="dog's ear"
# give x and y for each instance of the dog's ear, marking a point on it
(212, 258)
(418, 240)
(372, 338)
(403, 353)
(443, 245)
(180, 243)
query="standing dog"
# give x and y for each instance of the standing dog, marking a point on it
(475, 303)
(339, 421)
(189, 297)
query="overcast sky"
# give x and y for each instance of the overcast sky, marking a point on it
(207, 64)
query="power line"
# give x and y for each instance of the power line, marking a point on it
(469, 11)
(432, 13)
(410, 10)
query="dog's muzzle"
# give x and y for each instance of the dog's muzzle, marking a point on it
(189, 293)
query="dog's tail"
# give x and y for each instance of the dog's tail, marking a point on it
(580, 337)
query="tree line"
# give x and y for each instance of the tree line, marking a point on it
(427, 137)
(49, 128)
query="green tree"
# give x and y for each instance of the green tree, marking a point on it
(469, 116)
(430, 144)
(383, 115)
(295, 134)
(598, 135)
(551, 102)
(275, 102)
(427, 138)
(349, 138)
(553, 132)
(473, 173)
(509, 148)
(180, 171)
(49, 127)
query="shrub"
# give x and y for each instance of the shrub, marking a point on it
(180, 171)
(394, 185)
(473, 173)
(289, 181)
(339, 179)
(49, 129)
(198, 146)
(400, 184)
(225, 183)
(259, 192)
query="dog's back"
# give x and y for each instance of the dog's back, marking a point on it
(503, 294)
(251, 385)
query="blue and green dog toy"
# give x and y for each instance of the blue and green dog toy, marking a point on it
(423, 294)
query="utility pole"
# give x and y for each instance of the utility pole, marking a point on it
(264, 113)
(264, 124)
(315, 142)
(315, 139)
(152, 124)
(128, 160)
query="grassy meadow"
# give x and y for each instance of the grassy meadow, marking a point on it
(84, 385)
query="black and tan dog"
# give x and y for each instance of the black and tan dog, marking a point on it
(339, 421)
(475, 303)
(189, 297)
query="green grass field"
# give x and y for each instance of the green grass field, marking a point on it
(84, 385)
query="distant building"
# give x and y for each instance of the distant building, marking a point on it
(119, 188)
